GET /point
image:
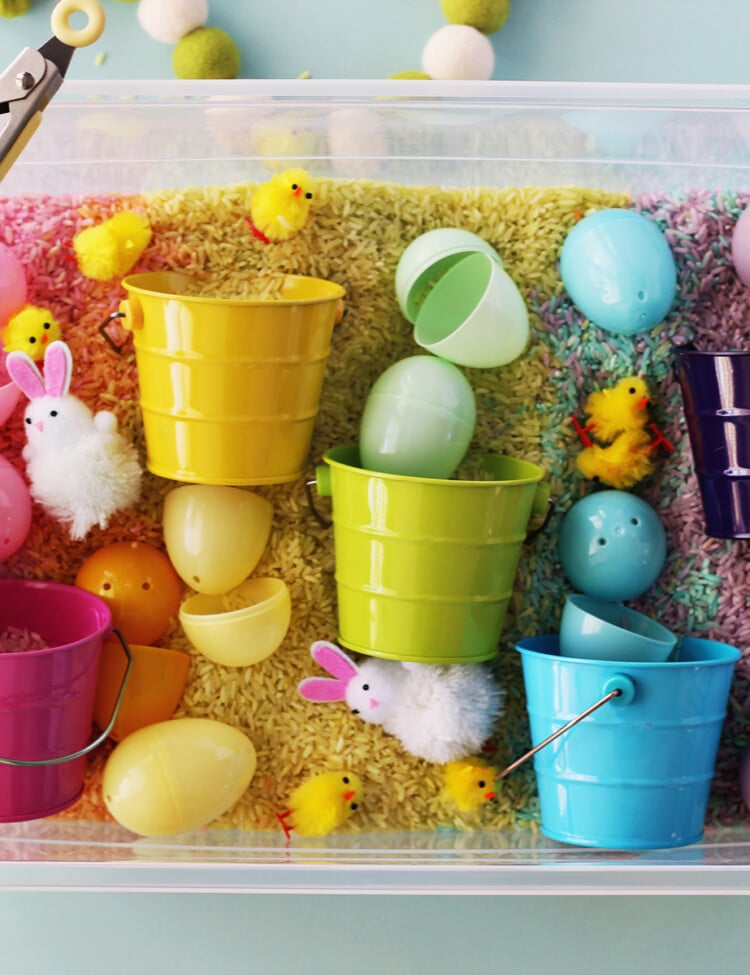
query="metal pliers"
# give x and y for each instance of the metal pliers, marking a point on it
(31, 80)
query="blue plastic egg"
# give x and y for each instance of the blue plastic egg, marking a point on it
(612, 545)
(618, 269)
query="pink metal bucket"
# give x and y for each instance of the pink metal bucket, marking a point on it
(47, 696)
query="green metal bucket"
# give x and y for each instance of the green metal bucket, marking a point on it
(425, 567)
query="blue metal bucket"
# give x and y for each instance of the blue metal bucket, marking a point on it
(636, 774)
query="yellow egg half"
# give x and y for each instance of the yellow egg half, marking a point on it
(176, 776)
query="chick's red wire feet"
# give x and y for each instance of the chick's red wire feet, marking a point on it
(281, 818)
(660, 440)
(583, 432)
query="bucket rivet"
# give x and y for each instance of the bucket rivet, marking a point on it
(623, 684)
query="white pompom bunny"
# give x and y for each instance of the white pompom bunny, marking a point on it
(438, 712)
(80, 468)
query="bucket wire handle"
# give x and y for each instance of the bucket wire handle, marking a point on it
(105, 334)
(551, 507)
(321, 519)
(621, 687)
(34, 763)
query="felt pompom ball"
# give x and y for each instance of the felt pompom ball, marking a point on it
(169, 21)
(206, 53)
(486, 16)
(409, 76)
(458, 53)
(14, 8)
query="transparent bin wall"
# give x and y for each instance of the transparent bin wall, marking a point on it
(117, 137)
(125, 138)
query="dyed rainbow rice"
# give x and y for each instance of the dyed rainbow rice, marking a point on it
(16, 639)
(356, 236)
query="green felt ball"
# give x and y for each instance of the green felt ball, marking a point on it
(14, 8)
(206, 53)
(486, 16)
(409, 76)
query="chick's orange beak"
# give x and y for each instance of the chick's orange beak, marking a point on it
(297, 192)
(642, 403)
(490, 795)
(350, 794)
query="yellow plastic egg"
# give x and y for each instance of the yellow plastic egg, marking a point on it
(215, 534)
(176, 776)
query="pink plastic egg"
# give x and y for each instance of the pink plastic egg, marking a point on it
(15, 510)
(12, 284)
(741, 247)
(9, 392)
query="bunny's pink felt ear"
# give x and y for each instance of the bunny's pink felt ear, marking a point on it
(58, 369)
(24, 373)
(334, 660)
(322, 689)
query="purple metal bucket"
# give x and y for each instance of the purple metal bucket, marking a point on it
(716, 398)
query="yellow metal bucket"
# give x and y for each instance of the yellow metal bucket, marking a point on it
(229, 388)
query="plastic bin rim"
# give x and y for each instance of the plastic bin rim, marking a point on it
(625, 95)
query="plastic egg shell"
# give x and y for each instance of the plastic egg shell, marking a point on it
(12, 284)
(176, 776)
(618, 269)
(612, 545)
(741, 247)
(15, 510)
(215, 534)
(418, 419)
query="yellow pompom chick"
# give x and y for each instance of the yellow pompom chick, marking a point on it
(279, 209)
(109, 250)
(468, 784)
(622, 407)
(31, 330)
(322, 803)
(620, 464)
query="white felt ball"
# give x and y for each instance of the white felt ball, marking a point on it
(458, 52)
(169, 21)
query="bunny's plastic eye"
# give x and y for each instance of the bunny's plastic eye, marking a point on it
(365, 687)
(53, 412)
(28, 420)
(355, 710)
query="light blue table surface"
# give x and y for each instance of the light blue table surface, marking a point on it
(560, 40)
(110, 932)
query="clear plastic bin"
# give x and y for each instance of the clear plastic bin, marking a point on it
(131, 138)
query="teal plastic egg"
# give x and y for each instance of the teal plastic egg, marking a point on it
(418, 419)
(618, 269)
(612, 545)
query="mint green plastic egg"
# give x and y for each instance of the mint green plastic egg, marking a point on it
(418, 420)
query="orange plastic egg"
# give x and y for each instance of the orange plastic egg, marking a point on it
(154, 690)
(140, 586)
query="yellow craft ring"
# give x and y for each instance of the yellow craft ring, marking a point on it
(60, 22)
